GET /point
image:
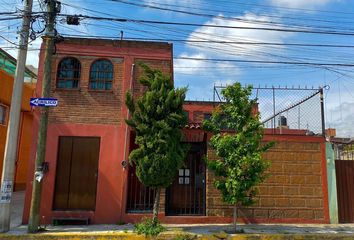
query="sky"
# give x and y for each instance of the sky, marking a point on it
(330, 21)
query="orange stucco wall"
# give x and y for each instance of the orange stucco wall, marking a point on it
(25, 132)
(112, 178)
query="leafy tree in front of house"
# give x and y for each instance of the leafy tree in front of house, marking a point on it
(237, 141)
(157, 118)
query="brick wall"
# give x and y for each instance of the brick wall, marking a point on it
(162, 65)
(87, 106)
(293, 190)
(84, 105)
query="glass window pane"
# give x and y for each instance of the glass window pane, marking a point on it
(68, 84)
(61, 84)
(102, 73)
(68, 73)
(108, 85)
(180, 180)
(100, 85)
(93, 85)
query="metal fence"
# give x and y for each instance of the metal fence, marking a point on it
(343, 150)
(283, 110)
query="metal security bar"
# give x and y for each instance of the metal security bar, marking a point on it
(283, 110)
(140, 198)
(186, 195)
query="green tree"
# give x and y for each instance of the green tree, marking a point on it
(237, 140)
(157, 118)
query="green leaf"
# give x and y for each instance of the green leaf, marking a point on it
(239, 167)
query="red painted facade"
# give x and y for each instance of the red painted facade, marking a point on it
(112, 179)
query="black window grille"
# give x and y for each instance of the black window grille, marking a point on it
(101, 75)
(140, 198)
(68, 74)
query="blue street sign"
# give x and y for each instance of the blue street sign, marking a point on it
(44, 102)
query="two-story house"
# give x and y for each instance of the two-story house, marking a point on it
(88, 143)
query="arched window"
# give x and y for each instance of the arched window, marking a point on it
(68, 74)
(101, 75)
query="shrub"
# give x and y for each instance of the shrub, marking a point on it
(148, 227)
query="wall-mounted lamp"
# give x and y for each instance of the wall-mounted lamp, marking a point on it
(124, 164)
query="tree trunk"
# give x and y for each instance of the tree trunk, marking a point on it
(156, 206)
(235, 217)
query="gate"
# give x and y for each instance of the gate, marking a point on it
(345, 181)
(186, 195)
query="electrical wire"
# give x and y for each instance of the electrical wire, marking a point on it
(213, 25)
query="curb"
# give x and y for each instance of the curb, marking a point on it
(173, 235)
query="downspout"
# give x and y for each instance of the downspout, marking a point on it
(125, 160)
(128, 114)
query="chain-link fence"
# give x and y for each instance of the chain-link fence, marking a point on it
(296, 111)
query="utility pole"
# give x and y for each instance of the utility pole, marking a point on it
(34, 218)
(10, 155)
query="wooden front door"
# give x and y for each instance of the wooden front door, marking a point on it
(76, 173)
(186, 195)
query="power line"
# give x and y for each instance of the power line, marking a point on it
(213, 26)
(221, 42)
(268, 62)
(239, 19)
(190, 6)
(10, 18)
(293, 8)
(7, 13)
(7, 40)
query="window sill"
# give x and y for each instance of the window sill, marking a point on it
(100, 90)
(66, 89)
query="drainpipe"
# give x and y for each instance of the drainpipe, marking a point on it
(125, 160)
(126, 125)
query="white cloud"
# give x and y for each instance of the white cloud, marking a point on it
(182, 66)
(33, 53)
(191, 66)
(200, 76)
(341, 118)
(311, 4)
(235, 34)
(225, 72)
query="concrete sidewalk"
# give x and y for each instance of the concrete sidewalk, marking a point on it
(18, 200)
(207, 229)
